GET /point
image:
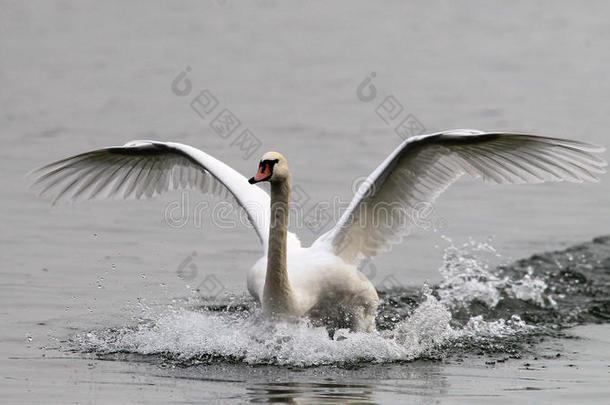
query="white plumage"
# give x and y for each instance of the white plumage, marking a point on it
(322, 280)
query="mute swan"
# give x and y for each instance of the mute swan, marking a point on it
(322, 281)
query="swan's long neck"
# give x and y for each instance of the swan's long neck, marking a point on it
(278, 296)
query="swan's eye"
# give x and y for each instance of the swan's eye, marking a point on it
(268, 163)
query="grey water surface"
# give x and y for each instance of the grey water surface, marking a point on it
(115, 302)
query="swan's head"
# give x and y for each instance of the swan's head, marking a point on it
(273, 167)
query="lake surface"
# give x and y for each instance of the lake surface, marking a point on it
(106, 301)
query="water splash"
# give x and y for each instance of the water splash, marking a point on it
(189, 336)
(192, 336)
(469, 275)
(473, 310)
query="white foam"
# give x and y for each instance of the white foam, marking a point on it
(468, 276)
(532, 289)
(184, 334)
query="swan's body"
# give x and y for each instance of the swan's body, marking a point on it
(325, 288)
(322, 281)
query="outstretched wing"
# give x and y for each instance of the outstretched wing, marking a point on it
(147, 168)
(386, 205)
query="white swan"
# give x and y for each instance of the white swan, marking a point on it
(322, 281)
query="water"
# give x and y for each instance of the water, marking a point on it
(537, 325)
(472, 309)
(86, 284)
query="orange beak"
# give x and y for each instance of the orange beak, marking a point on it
(264, 172)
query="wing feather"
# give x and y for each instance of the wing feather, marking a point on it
(422, 167)
(148, 168)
